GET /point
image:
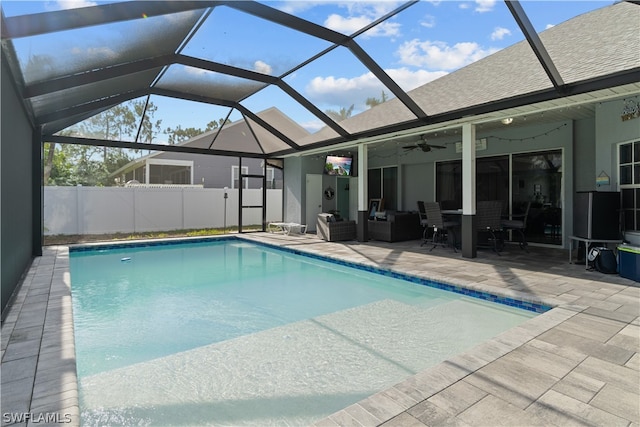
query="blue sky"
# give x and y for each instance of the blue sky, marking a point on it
(427, 41)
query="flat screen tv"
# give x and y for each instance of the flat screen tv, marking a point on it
(338, 165)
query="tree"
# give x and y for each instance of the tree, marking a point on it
(372, 102)
(149, 128)
(341, 115)
(178, 134)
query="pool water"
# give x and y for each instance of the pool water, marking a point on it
(234, 333)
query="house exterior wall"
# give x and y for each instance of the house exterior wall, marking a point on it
(584, 145)
(417, 168)
(610, 130)
(215, 171)
(17, 151)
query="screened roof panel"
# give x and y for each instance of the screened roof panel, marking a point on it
(64, 53)
(485, 81)
(343, 17)
(202, 117)
(228, 36)
(339, 91)
(267, 141)
(595, 57)
(273, 96)
(236, 137)
(78, 95)
(181, 78)
(119, 123)
(426, 42)
(325, 66)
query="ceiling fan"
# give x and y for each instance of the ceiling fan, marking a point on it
(423, 145)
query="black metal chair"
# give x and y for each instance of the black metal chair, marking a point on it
(442, 229)
(422, 213)
(489, 223)
(518, 223)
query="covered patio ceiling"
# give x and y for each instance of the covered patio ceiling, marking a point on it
(196, 56)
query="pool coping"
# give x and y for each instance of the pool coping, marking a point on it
(59, 351)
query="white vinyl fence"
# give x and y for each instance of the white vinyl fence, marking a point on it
(101, 210)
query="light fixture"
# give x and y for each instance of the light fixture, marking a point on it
(507, 120)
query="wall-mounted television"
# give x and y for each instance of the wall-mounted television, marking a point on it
(338, 165)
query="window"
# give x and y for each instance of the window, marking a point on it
(168, 171)
(383, 184)
(235, 177)
(629, 176)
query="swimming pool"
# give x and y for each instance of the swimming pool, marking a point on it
(228, 332)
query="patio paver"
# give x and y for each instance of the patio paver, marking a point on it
(577, 364)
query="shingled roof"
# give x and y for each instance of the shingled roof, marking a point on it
(605, 42)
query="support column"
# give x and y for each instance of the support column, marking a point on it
(363, 192)
(469, 235)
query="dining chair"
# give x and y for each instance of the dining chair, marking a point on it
(442, 229)
(518, 223)
(488, 221)
(424, 223)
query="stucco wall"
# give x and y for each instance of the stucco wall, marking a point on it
(16, 153)
(584, 146)
(611, 130)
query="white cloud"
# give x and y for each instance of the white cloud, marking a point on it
(384, 29)
(485, 5)
(409, 79)
(352, 23)
(335, 93)
(346, 25)
(74, 4)
(340, 92)
(499, 33)
(436, 55)
(262, 67)
(464, 6)
(429, 21)
(549, 26)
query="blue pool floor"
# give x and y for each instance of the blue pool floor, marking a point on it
(577, 363)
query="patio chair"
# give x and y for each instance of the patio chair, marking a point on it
(442, 229)
(489, 223)
(518, 223)
(422, 214)
(332, 231)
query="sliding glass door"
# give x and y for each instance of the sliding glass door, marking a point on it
(492, 181)
(535, 179)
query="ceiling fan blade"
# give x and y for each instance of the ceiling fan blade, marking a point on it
(437, 146)
(410, 147)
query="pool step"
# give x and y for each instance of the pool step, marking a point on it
(295, 373)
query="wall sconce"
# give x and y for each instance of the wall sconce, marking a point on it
(507, 120)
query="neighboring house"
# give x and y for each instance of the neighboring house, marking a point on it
(211, 171)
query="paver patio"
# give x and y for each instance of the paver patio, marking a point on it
(577, 364)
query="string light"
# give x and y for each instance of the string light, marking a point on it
(529, 137)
